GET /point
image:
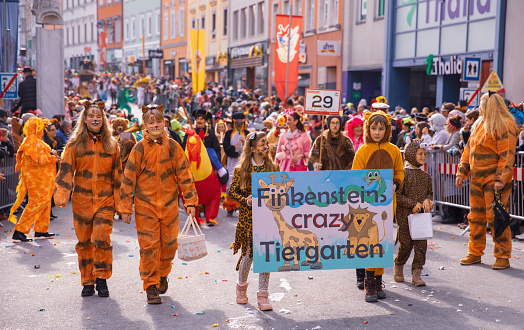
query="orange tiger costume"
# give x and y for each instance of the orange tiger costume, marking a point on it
(488, 158)
(155, 169)
(95, 178)
(37, 175)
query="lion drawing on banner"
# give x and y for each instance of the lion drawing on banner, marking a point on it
(291, 237)
(362, 229)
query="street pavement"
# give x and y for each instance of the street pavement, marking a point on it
(40, 289)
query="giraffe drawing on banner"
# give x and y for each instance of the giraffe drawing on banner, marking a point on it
(290, 236)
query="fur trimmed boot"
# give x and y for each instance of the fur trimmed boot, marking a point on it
(416, 277)
(398, 271)
(241, 293)
(263, 300)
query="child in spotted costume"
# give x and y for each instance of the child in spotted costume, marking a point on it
(414, 195)
(157, 166)
(254, 158)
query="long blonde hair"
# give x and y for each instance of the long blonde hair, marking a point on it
(244, 165)
(495, 115)
(80, 136)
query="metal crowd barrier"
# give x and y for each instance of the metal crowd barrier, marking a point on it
(8, 186)
(443, 168)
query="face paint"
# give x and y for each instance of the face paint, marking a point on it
(94, 119)
(154, 126)
(239, 122)
(262, 148)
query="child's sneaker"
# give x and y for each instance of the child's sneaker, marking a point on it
(369, 287)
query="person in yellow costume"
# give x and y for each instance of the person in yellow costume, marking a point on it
(378, 153)
(36, 162)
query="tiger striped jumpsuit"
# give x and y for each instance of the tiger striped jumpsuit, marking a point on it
(154, 171)
(487, 158)
(95, 179)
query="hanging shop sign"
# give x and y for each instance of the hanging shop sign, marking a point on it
(156, 53)
(302, 55)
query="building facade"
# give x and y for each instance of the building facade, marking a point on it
(426, 42)
(80, 32)
(363, 50)
(142, 27)
(513, 64)
(110, 41)
(248, 44)
(174, 38)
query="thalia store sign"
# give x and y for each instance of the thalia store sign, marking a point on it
(443, 66)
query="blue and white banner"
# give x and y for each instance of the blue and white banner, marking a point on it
(322, 220)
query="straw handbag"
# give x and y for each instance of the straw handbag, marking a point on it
(191, 247)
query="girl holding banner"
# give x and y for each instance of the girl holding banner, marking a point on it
(254, 158)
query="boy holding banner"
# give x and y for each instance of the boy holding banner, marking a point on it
(378, 153)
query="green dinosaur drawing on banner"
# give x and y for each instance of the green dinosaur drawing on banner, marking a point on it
(372, 176)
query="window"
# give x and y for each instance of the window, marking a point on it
(297, 8)
(92, 31)
(285, 7)
(149, 24)
(203, 22)
(274, 13)
(85, 32)
(362, 10)
(67, 36)
(193, 23)
(310, 15)
(126, 29)
(334, 11)
(118, 31)
(72, 35)
(224, 32)
(261, 22)
(323, 12)
(166, 26)
(252, 21)
(133, 28)
(110, 32)
(235, 25)
(243, 23)
(380, 8)
(78, 32)
(173, 25)
(158, 22)
(142, 26)
(182, 22)
(213, 25)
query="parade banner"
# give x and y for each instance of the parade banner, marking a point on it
(284, 35)
(198, 59)
(322, 220)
